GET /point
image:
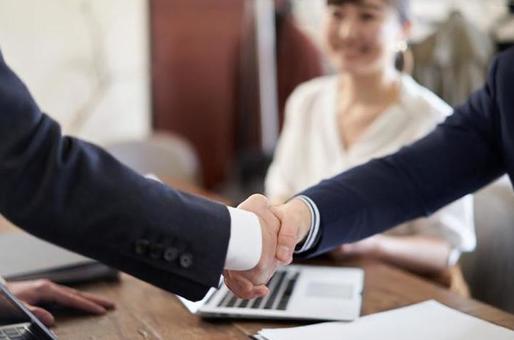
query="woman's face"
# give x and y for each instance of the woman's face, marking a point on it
(362, 37)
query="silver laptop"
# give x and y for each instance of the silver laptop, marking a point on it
(17, 322)
(25, 257)
(297, 292)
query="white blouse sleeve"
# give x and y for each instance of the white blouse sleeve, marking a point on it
(280, 179)
(453, 223)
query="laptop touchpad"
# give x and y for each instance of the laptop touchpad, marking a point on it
(319, 289)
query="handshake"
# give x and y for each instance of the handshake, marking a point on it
(283, 227)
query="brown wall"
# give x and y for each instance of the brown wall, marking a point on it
(204, 80)
(194, 50)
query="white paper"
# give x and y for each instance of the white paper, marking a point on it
(424, 321)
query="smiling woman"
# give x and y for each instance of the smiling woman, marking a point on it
(360, 32)
(367, 110)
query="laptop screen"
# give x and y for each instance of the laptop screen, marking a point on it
(10, 312)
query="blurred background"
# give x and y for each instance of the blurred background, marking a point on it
(216, 73)
(195, 90)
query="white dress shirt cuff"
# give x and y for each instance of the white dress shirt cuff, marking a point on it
(312, 236)
(453, 257)
(2, 281)
(245, 244)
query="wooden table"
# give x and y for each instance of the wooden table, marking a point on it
(146, 312)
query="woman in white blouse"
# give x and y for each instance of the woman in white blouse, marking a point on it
(367, 110)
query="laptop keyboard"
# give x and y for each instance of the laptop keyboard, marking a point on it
(281, 288)
(15, 333)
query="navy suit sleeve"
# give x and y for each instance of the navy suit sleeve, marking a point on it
(461, 155)
(74, 194)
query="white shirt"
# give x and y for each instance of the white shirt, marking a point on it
(245, 243)
(310, 150)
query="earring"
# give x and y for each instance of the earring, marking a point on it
(401, 46)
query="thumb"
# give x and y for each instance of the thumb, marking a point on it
(42, 314)
(286, 240)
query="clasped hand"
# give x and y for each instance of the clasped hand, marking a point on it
(282, 228)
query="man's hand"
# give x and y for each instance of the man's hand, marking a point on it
(282, 228)
(43, 291)
(252, 283)
(295, 219)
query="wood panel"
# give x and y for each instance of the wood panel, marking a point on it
(194, 53)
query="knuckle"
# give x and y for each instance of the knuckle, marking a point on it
(43, 287)
(258, 196)
(257, 199)
(43, 284)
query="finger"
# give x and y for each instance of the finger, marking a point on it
(99, 300)
(232, 284)
(43, 315)
(231, 287)
(346, 249)
(71, 300)
(260, 291)
(240, 286)
(253, 202)
(235, 289)
(228, 278)
(255, 292)
(261, 205)
(106, 303)
(339, 253)
(244, 287)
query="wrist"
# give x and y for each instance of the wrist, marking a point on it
(300, 213)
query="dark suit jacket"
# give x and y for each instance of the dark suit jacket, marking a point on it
(74, 194)
(474, 146)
